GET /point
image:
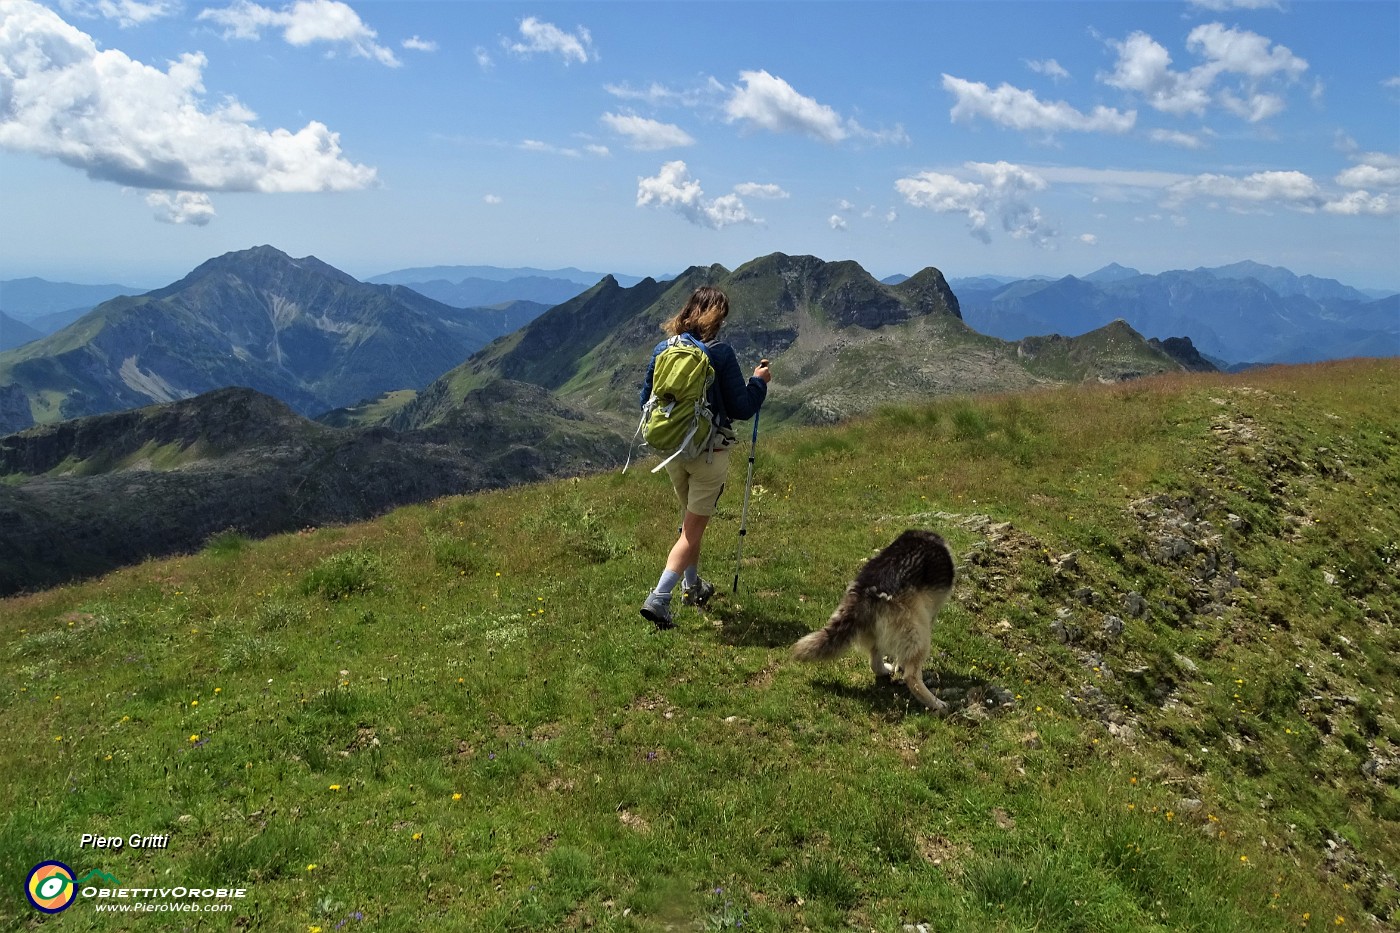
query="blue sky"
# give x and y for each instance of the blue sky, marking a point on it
(140, 137)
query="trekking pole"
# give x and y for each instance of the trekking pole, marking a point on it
(744, 515)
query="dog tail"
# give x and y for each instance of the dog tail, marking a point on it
(829, 642)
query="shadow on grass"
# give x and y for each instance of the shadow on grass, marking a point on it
(757, 627)
(971, 696)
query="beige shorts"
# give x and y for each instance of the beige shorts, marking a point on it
(698, 483)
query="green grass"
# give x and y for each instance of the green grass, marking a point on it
(453, 717)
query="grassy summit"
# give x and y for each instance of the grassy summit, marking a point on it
(1172, 653)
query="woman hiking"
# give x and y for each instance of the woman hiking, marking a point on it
(699, 480)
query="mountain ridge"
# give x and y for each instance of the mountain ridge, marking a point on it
(298, 329)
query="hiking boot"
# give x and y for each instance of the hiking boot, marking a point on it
(657, 610)
(697, 595)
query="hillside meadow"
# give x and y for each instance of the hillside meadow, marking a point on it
(1171, 658)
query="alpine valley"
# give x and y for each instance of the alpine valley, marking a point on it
(155, 422)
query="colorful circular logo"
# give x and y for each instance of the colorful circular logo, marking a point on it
(50, 887)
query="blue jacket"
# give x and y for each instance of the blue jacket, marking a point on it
(731, 397)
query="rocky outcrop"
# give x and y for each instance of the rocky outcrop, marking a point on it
(14, 409)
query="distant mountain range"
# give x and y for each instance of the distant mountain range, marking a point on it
(841, 343)
(297, 329)
(475, 286)
(1241, 313)
(15, 333)
(33, 298)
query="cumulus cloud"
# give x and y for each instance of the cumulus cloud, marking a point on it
(647, 135)
(836, 222)
(121, 121)
(1050, 68)
(750, 189)
(181, 207)
(416, 44)
(1374, 170)
(1291, 188)
(538, 36)
(492, 199)
(1144, 67)
(1362, 202)
(483, 58)
(303, 23)
(1088, 239)
(1021, 110)
(1001, 191)
(770, 103)
(126, 13)
(673, 188)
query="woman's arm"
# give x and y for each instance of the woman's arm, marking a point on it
(742, 398)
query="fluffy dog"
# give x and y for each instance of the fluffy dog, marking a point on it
(888, 610)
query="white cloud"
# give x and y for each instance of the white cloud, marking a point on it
(1050, 68)
(535, 145)
(770, 103)
(1362, 202)
(1176, 138)
(415, 44)
(1293, 189)
(658, 95)
(1022, 110)
(303, 23)
(673, 188)
(836, 222)
(1376, 170)
(647, 135)
(122, 121)
(181, 207)
(492, 199)
(544, 37)
(597, 150)
(483, 58)
(1239, 51)
(1220, 6)
(1088, 239)
(1254, 108)
(1002, 193)
(751, 189)
(126, 13)
(1144, 67)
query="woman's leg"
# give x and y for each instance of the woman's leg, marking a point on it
(686, 551)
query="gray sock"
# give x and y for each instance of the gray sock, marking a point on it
(667, 583)
(692, 576)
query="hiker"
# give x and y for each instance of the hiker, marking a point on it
(699, 479)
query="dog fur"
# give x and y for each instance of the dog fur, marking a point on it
(888, 611)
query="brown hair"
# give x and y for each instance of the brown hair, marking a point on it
(702, 315)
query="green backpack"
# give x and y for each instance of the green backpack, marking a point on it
(676, 420)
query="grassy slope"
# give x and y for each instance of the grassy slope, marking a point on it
(453, 717)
